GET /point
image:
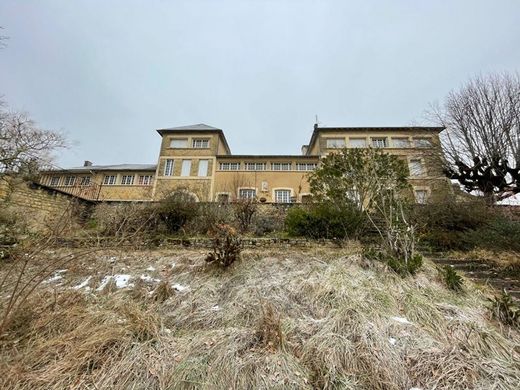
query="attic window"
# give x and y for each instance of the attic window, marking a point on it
(379, 142)
(198, 143)
(335, 143)
(179, 143)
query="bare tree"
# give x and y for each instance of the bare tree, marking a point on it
(23, 145)
(482, 137)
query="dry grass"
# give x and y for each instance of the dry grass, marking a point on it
(500, 259)
(278, 319)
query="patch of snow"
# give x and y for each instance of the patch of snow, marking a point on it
(150, 268)
(122, 280)
(112, 259)
(415, 388)
(54, 278)
(215, 308)
(82, 284)
(173, 265)
(401, 320)
(392, 341)
(149, 279)
(179, 288)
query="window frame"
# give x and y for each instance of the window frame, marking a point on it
(408, 142)
(205, 141)
(417, 142)
(329, 146)
(109, 182)
(254, 192)
(299, 165)
(351, 144)
(230, 165)
(69, 181)
(206, 173)
(424, 190)
(374, 141)
(57, 183)
(127, 180)
(276, 191)
(169, 172)
(253, 166)
(186, 163)
(172, 140)
(414, 173)
(145, 180)
(281, 164)
(85, 181)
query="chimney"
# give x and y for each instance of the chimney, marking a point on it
(87, 163)
(305, 148)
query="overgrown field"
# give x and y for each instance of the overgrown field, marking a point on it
(277, 319)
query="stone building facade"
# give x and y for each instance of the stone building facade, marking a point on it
(197, 159)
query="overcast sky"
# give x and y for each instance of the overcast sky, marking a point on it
(108, 73)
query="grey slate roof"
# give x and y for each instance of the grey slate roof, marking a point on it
(118, 167)
(199, 126)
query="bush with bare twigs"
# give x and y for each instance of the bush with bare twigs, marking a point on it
(226, 246)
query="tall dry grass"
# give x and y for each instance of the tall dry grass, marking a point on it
(276, 319)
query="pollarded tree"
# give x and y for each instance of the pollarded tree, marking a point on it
(482, 137)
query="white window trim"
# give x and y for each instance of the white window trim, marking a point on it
(281, 165)
(357, 138)
(189, 161)
(423, 165)
(273, 194)
(220, 164)
(255, 164)
(335, 139)
(149, 178)
(202, 140)
(410, 144)
(306, 164)
(247, 188)
(179, 139)
(422, 188)
(166, 167)
(199, 166)
(132, 180)
(58, 179)
(372, 139)
(108, 183)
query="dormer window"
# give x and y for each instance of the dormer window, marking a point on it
(200, 143)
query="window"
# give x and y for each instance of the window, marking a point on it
(85, 180)
(335, 143)
(145, 180)
(55, 180)
(109, 180)
(421, 196)
(306, 166)
(223, 198)
(168, 168)
(251, 166)
(69, 180)
(282, 196)
(416, 167)
(379, 142)
(229, 166)
(246, 193)
(400, 142)
(186, 168)
(422, 142)
(203, 168)
(358, 142)
(307, 198)
(127, 180)
(281, 166)
(198, 143)
(179, 143)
